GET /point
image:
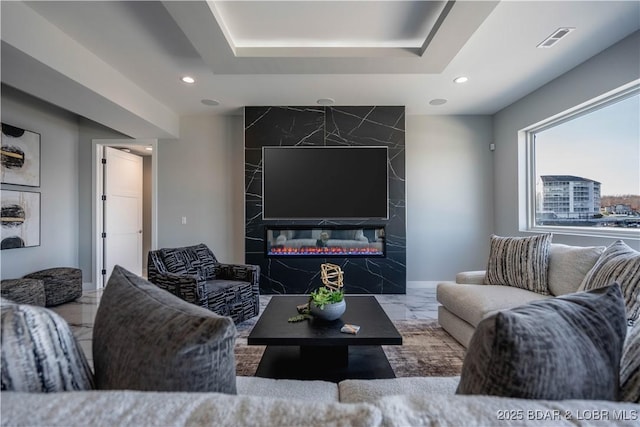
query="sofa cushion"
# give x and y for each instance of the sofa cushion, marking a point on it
(135, 409)
(568, 347)
(145, 338)
(630, 366)
(316, 391)
(519, 261)
(39, 352)
(475, 277)
(455, 326)
(356, 391)
(568, 265)
(492, 411)
(473, 303)
(621, 264)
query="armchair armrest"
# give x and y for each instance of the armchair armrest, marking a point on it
(188, 287)
(243, 272)
(471, 277)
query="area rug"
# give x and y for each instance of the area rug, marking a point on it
(427, 350)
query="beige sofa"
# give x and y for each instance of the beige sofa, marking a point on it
(266, 402)
(465, 302)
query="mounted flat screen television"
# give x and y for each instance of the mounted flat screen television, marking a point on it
(325, 183)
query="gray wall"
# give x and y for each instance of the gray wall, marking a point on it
(200, 176)
(65, 185)
(58, 184)
(604, 72)
(449, 195)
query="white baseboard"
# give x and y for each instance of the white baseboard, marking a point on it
(423, 284)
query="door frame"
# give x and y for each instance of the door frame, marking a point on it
(96, 192)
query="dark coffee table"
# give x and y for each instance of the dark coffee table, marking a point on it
(317, 350)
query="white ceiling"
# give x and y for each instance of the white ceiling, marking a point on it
(327, 24)
(119, 62)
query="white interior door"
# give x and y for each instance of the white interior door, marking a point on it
(122, 211)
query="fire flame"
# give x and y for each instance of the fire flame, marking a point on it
(329, 251)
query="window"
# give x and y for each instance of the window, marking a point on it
(584, 169)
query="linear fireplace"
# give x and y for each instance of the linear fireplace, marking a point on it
(325, 241)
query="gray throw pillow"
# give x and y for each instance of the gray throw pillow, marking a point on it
(145, 338)
(630, 366)
(39, 352)
(521, 262)
(621, 264)
(568, 347)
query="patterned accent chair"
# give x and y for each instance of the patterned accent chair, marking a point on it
(194, 274)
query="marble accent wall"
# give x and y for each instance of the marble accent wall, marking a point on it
(327, 126)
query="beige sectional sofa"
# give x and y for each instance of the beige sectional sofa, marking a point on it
(465, 302)
(145, 345)
(265, 402)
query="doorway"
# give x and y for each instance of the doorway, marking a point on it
(124, 209)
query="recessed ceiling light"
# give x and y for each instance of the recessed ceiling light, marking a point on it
(326, 101)
(210, 102)
(126, 150)
(437, 101)
(461, 79)
(148, 148)
(188, 79)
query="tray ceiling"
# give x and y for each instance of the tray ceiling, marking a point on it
(119, 62)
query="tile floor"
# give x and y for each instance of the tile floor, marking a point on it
(417, 303)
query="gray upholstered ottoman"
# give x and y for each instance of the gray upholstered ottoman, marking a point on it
(61, 284)
(23, 291)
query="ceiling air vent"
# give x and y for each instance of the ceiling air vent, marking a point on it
(555, 37)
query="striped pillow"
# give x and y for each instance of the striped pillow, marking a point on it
(618, 263)
(39, 352)
(630, 367)
(522, 262)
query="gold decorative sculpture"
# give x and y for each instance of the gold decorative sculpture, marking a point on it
(329, 295)
(332, 276)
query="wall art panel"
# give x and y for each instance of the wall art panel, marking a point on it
(20, 219)
(20, 156)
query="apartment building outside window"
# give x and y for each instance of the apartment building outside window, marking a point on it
(570, 197)
(583, 168)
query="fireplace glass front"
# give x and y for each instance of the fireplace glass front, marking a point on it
(325, 241)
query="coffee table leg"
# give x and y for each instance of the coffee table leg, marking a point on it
(335, 356)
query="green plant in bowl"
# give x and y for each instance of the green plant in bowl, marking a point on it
(331, 299)
(323, 296)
